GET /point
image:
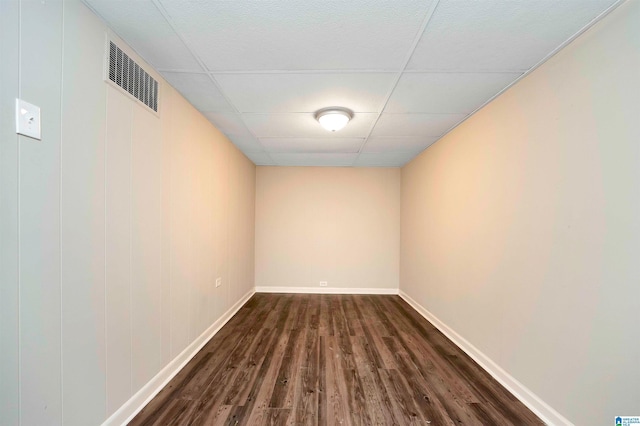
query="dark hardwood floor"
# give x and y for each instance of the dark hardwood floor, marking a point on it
(331, 360)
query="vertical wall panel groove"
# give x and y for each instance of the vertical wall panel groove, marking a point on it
(114, 226)
(39, 201)
(118, 240)
(60, 216)
(83, 218)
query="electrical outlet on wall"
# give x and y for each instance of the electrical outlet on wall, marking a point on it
(323, 283)
(218, 282)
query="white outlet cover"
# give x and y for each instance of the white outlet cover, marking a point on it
(28, 119)
(323, 283)
(218, 282)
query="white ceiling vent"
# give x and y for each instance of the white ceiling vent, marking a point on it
(127, 74)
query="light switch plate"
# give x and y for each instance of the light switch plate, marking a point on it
(28, 119)
(218, 282)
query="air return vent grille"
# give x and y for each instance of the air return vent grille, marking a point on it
(126, 73)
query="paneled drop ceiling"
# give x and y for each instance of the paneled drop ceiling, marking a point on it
(411, 70)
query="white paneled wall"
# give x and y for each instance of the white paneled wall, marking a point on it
(9, 223)
(82, 222)
(39, 186)
(118, 249)
(146, 244)
(113, 229)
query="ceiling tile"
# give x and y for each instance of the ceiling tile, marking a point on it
(275, 62)
(446, 92)
(396, 144)
(389, 159)
(338, 160)
(499, 35)
(423, 125)
(143, 27)
(304, 125)
(360, 92)
(199, 90)
(297, 35)
(260, 158)
(310, 145)
(246, 143)
(229, 124)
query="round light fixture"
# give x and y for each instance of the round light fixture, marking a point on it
(334, 119)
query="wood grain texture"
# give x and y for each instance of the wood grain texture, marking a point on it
(307, 359)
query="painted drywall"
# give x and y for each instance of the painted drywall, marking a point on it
(521, 228)
(113, 227)
(339, 225)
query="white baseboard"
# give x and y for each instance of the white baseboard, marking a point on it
(326, 290)
(129, 409)
(141, 398)
(545, 412)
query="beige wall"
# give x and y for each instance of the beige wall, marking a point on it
(340, 225)
(521, 228)
(113, 228)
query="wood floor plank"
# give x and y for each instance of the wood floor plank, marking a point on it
(213, 396)
(380, 358)
(257, 400)
(336, 388)
(442, 402)
(178, 412)
(294, 359)
(173, 391)
(484, 386)
(424, 396)
(402, 402)
(239, 389)
(377, 398)
(306, 412)
(437, 369)
(277, 416)
(222, 415)
(325, 322)
(351, 317)
(322, 382)
(260, 394)
(356, 400)
(285, 385)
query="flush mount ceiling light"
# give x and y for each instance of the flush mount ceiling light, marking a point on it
(334, 119)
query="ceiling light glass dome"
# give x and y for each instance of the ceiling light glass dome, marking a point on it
(334, 119)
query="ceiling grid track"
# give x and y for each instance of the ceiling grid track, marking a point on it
(411, 71)
(412, 49)
(166, 16)
(538, 64)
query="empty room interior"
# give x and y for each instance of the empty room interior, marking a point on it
(319, 212)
